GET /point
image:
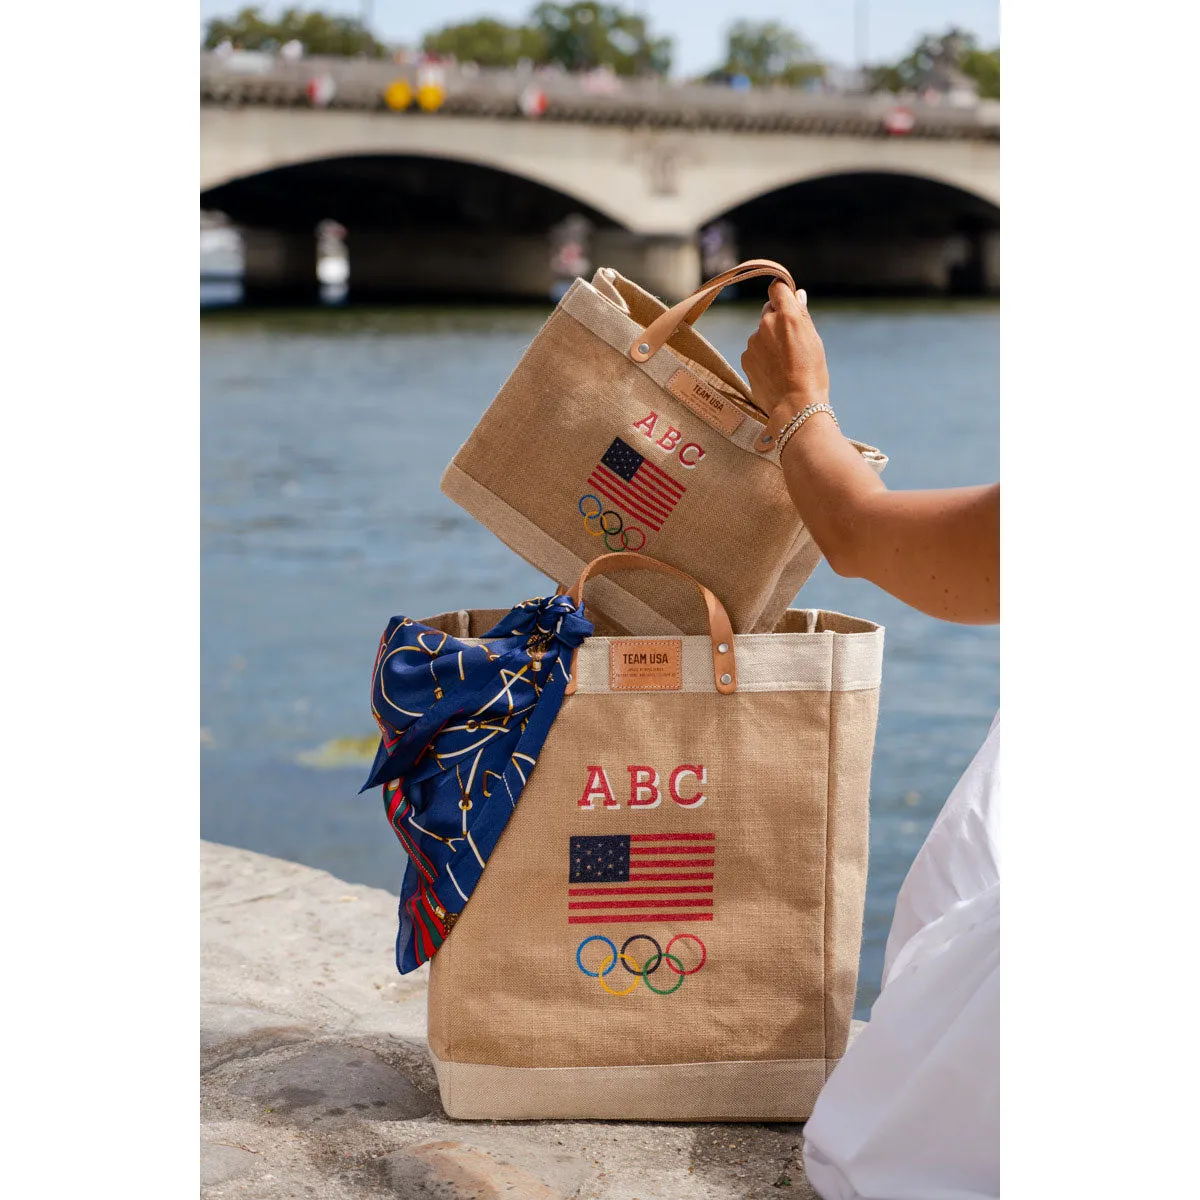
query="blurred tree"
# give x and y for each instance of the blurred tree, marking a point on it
(954, 50)
(767, 52)
(487, 42)
(318, 32)
(983, 66)
(581, 37)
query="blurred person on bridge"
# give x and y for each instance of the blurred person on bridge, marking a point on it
(913, 1107)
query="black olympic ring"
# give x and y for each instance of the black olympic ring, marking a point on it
(658, 954)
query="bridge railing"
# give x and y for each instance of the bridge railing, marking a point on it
(359, 84)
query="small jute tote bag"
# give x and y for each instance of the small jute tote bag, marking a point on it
(668, 927)
(623, 429)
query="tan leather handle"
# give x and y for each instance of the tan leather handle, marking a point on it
(718, 282)
(719, 627)
(660, 331)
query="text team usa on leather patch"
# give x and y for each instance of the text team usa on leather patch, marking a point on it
(707, 403)
(622, 878)
(654, 665)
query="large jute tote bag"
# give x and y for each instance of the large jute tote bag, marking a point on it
(622, 429)
(668, 928)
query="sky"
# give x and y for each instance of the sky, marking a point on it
(697, 26)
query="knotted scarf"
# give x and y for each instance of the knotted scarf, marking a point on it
(462, 728)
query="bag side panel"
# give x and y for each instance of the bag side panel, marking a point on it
(852, 723)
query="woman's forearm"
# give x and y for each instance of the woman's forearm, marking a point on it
(938, 551)
(830, 485)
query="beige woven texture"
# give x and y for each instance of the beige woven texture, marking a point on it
(524, 469)
(753, 1034)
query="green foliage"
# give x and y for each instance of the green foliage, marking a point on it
(581, 37)
(487, 42)
(956, 48)
(318, 32)
(983, 66)
(767, 52)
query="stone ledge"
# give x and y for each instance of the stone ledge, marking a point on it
(316, 1080)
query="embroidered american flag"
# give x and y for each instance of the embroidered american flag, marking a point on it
(627, 877)
(636, 486)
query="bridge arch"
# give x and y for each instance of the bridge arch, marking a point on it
(870, 231)
(384, 190)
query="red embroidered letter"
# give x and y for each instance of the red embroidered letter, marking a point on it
(643, 779)
(691, 446)
(701, 778)
(597, 785)
(646, 424)
(670, 439)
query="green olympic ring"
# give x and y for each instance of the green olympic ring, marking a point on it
(675, 986)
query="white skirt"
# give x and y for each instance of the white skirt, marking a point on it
(912, 1112)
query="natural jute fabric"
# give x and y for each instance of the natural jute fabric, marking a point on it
(518, 1028)
(545, 469)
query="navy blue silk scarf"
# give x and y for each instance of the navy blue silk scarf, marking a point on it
(462, 728)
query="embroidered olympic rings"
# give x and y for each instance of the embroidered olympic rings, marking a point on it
(611, 525)
(641, 971)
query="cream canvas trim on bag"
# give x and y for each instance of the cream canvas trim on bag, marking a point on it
(598, 314)
(778, 662)
(770, 1090)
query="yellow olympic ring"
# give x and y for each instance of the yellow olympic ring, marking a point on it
(630, 961)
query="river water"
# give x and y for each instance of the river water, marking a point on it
(324, 435)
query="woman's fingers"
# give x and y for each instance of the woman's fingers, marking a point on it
(783, 299)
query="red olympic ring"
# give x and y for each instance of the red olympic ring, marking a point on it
(703, 952)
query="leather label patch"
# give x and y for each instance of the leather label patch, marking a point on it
(707, 403)
(645, 666)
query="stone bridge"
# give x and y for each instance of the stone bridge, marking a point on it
(463, 200)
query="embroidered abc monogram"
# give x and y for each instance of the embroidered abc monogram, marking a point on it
(654, 665)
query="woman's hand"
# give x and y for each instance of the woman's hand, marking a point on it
(784, 359)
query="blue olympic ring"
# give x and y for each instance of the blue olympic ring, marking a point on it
(596, 937)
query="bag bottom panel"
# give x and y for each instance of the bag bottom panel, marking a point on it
(769, 1090)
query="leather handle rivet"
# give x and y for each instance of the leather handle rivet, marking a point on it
(723, 648)
(644, 348)
(727, 678)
